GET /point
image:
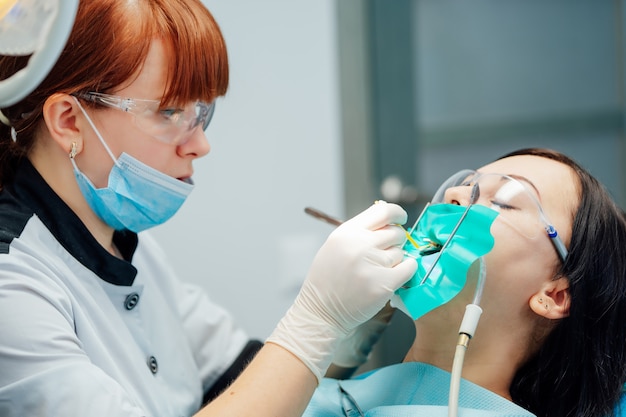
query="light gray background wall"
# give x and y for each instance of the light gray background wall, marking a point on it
(243, 234)
(495, 76)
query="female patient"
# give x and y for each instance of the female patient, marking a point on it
(551, 338)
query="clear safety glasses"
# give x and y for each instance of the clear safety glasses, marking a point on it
(513, 198)
(173, 125)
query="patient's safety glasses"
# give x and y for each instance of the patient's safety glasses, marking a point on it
(513, 198)
(173, 125)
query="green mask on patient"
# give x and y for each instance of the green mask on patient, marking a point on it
(472, 240)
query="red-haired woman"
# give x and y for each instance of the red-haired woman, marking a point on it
(93, 321)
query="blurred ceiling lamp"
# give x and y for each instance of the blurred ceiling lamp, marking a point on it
(38, 28)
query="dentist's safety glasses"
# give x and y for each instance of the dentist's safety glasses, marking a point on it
(172, 125)
(514, 198)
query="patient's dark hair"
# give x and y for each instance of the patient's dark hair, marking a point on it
(581, 367)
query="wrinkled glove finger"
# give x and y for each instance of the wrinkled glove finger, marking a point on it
(396, 276)
(386, 258)
(389, 236)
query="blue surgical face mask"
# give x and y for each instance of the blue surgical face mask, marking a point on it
(137, 196)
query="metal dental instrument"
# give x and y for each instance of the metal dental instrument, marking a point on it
(424, 249)
(473, 198)
(322, 216)
(336, 222)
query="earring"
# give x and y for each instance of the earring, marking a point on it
(73, 150)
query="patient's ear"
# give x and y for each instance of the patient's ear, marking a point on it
(553, 300)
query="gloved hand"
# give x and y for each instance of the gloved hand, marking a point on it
(353, 275)
(354, 349)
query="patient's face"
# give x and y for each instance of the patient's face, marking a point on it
(519, 261)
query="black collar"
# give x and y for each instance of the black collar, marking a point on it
(33, 193)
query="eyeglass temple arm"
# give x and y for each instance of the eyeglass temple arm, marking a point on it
(557, 242)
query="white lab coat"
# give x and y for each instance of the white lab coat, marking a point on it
(81, 335)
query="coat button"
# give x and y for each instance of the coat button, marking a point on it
(153, 365)
(131, 301)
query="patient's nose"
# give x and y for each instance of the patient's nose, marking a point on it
(461, 195)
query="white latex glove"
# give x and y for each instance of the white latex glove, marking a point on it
(352, 276)
(355, 348)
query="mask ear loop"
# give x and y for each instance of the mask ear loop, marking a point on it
(93, 126)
